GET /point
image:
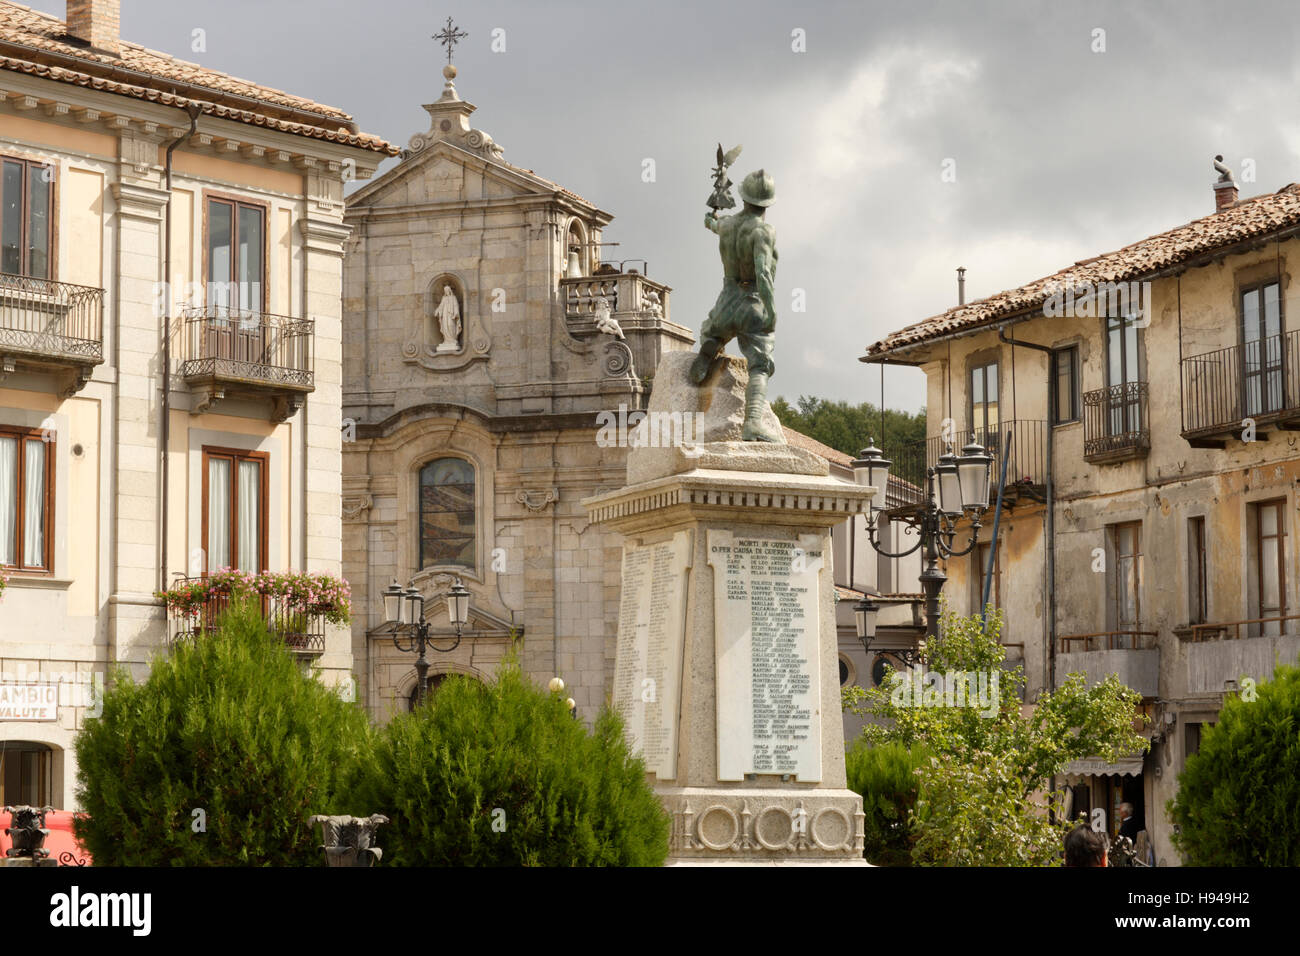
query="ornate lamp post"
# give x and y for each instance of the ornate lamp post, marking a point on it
(404, 611)
(962, 490)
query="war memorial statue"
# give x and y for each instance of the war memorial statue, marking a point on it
(745, 310)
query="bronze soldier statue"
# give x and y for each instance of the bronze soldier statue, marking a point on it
(745, 309)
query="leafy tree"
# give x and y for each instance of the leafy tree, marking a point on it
(1237, 796)
(218, 758)
(886, 777)
(991, 741)
(846, 427)
(500, 774)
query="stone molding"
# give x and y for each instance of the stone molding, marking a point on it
(749, 824)
(536, 501)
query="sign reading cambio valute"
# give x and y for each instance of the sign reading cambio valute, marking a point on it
(29, 702)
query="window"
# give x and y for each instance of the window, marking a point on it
(1124, 410)
(984, 403)
(26, 498)
(1261, 348)
(25, 773)
(234, 509)
(1197, 591)
(1126, 588)
(447, 513)
(25, 219)
(1191, 739)
(1065, 385)
(1270, 563)
(981, 558)
(236, 255)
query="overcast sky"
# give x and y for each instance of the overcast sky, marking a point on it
(1060, 152)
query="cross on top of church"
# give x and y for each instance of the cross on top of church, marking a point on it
(449, 36)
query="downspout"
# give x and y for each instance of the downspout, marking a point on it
(1051, 514)
(193, 109)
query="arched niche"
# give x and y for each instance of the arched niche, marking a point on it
(445, 321)
(576, 243)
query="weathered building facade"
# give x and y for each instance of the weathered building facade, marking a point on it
(1151, 397)
(154, 423)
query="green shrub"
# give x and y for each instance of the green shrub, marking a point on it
(886, 777)
(228, 725)
(500, 774)
(1238, 796)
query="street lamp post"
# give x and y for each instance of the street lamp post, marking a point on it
(404, 612)
(962, 490)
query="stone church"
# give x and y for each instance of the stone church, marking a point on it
(483, 336)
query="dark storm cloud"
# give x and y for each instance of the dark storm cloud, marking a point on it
(1060, 152)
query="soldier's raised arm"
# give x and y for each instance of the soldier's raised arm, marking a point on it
(710, 222)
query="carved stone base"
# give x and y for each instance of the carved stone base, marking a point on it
(769, 825)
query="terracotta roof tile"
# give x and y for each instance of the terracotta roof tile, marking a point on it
(37, 43)
(1245, 219)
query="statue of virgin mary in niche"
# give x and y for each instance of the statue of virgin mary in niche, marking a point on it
(448, 315)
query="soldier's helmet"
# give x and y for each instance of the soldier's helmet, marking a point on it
(758, 189)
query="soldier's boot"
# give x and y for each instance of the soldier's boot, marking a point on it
(755, 403)
(710, 349)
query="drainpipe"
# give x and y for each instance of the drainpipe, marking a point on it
(193, 109)
(1051, 513)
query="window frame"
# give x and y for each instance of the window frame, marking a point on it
(981, 364)
(235, 201)
(1264, 372)
(236, 455)
(52, 245)
(1198, 592)
(23, 434)
(1257, 508)
(1076, 410)
(1115, 531)
(419, 514)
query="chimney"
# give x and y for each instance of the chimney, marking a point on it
(96, 23)
(961, 285)
(1225, 190)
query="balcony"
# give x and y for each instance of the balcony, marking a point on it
(228, 352)
(302, 633)
(1220, 654)
(1026, 468)
(1258, 380)
(1130, 655)
(1116, 426)
(46, 325)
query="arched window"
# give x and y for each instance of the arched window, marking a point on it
(447, 525)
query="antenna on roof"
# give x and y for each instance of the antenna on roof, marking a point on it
(961, 285)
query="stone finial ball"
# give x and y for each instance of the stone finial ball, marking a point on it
(449, 71)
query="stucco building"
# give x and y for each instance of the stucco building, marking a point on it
(154, 423)
(1151, 397)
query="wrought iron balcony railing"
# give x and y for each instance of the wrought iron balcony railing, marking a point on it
(302, 633)
(1115, 424)
(1259, 380)
(226, 349)
(47, 323)
(1026, 468)
(1232, 630)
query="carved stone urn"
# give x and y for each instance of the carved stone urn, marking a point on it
(347, 839)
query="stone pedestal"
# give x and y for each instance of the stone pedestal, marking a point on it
(727, 665)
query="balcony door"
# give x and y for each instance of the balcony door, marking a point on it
(236, 255)
(1270, 564)
(234, 509)
(1126, 582)
(984, 405)
(1261, 350)
(25, 234)
(1123, 376)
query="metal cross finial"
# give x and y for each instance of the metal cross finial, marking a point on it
(449, 37)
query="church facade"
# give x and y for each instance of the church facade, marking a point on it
(491, 360)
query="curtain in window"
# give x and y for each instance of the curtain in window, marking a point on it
(218, 513)
(8, 498)
(34, 505)
(250, 497)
